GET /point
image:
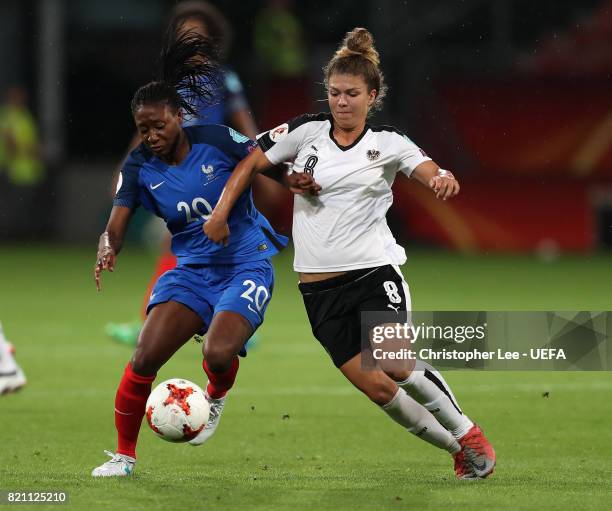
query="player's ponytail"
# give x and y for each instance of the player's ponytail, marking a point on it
(358, 56)
(188, 64)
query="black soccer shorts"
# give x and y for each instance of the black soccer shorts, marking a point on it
(334, 306)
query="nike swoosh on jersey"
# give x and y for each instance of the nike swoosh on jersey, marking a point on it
(153, 187)
(210, 181)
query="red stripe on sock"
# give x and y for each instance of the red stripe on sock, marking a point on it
(220, 383)
(132, 394)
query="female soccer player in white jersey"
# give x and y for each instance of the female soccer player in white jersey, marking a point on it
(345, 253)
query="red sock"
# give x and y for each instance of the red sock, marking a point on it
(220, 383)
(130, 401)
(165, 262)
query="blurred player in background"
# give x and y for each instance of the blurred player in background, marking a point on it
(178, 173)
(22, 169)
(228, 106)
(347, 257)
(11, 375)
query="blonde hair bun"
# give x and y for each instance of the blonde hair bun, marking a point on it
(359, 41)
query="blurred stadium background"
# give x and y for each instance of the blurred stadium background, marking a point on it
(514, 96)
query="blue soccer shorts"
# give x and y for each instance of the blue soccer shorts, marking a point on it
(244, 288)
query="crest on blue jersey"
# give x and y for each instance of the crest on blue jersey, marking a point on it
(208, 171)
(239, 138)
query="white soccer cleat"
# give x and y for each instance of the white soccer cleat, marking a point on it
(11, 381)
(119, 465)
(216, 409)
(11, 375)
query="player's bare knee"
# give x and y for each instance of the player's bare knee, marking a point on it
(398, 374)
(218, 355)
(145, 363)
(397, 370)
(380, 391)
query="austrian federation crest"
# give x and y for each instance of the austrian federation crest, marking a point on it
(373, 154)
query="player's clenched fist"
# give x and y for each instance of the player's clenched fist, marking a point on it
(444, 185)
(301, 183)
(217, 230)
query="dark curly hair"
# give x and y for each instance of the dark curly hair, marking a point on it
(187, 65)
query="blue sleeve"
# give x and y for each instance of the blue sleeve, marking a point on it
(128, 188)
(234, 144)
(235, 101)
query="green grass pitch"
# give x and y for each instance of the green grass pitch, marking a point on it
(333, 449)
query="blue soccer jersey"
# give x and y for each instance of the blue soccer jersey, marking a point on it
(185, 195)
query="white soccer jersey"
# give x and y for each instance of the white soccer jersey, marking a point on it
(344, 227)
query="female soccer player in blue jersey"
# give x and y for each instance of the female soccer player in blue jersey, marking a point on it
(228, 105)
(179, 173)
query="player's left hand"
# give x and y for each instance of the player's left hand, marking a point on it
(444, 185)
(217, 231)
(105, 261)
(301, 183)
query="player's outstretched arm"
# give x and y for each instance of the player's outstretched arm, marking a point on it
(216, 227)
(111, 241)
(441, 181)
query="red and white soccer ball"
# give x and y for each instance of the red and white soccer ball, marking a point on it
(177, 410)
